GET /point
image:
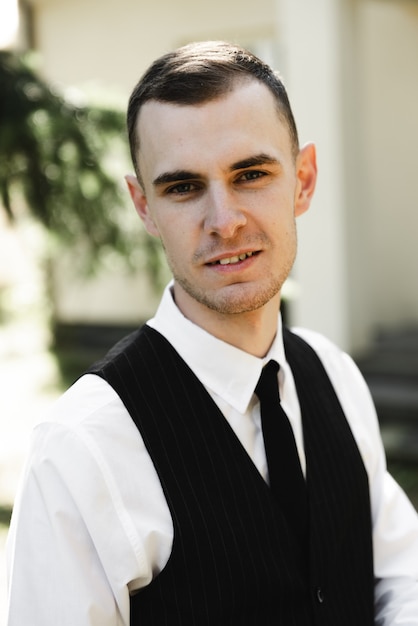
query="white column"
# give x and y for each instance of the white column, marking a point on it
(9, 23)
(309, 34)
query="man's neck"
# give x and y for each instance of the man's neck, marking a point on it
(252, 332)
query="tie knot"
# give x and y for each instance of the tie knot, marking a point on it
(267, 385)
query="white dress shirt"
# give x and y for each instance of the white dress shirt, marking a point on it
(91, 523)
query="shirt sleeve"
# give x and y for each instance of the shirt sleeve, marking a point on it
(57, 573)
(395, 521)
(395, 538)
(90, 523)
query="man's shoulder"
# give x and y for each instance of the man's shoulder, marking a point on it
(339, 365)
(319, 342)
(87, 405)
(87, 421)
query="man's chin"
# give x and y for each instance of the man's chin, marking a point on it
(237, 299)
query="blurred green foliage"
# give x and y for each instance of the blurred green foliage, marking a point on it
(63, 160)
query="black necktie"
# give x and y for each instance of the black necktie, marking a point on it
(285, 473)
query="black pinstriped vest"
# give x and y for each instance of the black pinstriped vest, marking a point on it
(235, 561)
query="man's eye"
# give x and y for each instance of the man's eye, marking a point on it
(252, 175)
(181, 188)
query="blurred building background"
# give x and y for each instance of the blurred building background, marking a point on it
(350, 67)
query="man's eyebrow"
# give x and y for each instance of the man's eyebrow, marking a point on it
(182, 175)
(174, 177)
(253, 161)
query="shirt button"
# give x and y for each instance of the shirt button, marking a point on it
(320, 595)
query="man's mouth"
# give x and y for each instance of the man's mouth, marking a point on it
(233, 259)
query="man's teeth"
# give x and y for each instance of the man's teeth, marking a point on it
(235, 259)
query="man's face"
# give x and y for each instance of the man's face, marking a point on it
(221, 188)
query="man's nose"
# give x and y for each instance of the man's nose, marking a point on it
(224, 215)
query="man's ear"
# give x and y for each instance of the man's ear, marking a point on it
(306, 173)
(141, 205)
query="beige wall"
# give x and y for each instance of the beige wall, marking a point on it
(115, 40)
(389, 84)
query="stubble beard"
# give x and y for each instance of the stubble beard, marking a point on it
(237, 298)
(234, 299)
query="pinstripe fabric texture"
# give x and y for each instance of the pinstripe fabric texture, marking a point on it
(235, 562)
(341, 556)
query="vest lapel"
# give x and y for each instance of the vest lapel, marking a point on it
(337, 481)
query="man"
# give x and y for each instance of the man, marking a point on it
(148, 497)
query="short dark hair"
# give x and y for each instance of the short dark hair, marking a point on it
(200, 72)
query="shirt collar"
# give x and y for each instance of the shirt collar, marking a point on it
(222, 368)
